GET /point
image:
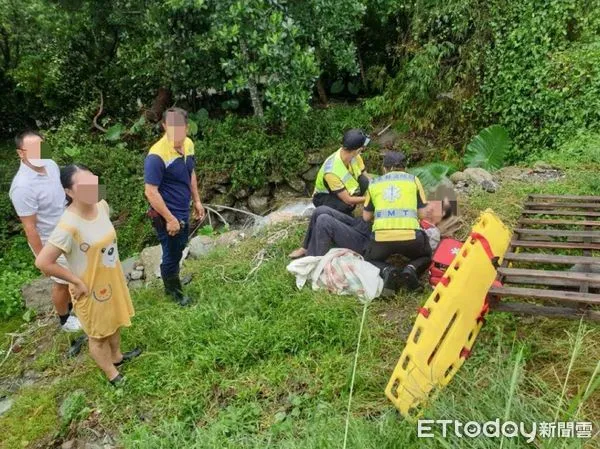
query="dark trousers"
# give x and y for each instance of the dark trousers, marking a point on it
(331, 199)
(417, 251)
(329, 227)
(172, 250)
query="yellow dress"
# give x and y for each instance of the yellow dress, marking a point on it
(90, 247)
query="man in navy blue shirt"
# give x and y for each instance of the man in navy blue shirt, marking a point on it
(170, 185)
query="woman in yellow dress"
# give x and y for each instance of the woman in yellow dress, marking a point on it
(87, 238)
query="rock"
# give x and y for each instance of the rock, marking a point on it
(477, 175)
(134, 285)
(230, 238)
(241, 194)
(223, 199)
(388, 139)
(489, 186)
(221, 188)
(512, 173)
(297, 184)
(200, 246)
(150, 258)
(128, 265)
(139, 268)
(258, 204)
(38, 295)
(311, 174)
(458, 177)
(5, 405)
(136, 275)
(71, 444)
(275, 177)
(283, 194)
(315, 158)
(263, 191)
(542, 166)
(298, 209)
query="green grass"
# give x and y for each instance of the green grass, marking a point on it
(258, 364)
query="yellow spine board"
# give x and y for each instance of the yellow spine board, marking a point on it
(434, 349)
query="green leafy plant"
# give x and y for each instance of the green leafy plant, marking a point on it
(488, 148)
(432, 174)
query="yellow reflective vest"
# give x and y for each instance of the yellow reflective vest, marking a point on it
(334, 164)
(394, 198)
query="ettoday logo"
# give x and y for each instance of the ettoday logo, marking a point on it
(506, 429)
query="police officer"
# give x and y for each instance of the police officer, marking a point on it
(395, 202)
(342, 180)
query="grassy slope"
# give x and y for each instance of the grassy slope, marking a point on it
(259, 364)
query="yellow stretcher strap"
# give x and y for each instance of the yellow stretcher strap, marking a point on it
(449, 321)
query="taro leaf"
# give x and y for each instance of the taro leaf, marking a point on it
(353, 88)
(488, 148)
(430, 175)
(230, 104)
(114, 132)
(192, 127)
(337, 87)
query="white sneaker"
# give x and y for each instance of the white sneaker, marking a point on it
(72, 324)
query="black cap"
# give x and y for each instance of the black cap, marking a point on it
(354, 139)
(394, 159)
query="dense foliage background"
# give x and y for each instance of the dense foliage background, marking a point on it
(268, 80)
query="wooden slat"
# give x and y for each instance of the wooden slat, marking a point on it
(574, 213)
(551, 258)
(557, 232)
(516, 281)
(563, 204)
(555, 295)
(564, 197)
(542, 221)
(571, 275)
(555, 312)
(554, 245)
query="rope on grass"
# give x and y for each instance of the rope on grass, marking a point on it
(362, 324)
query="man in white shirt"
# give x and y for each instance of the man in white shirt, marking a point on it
(39, 200)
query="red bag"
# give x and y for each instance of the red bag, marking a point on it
(443, 257)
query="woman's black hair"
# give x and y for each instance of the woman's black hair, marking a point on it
(66, 177)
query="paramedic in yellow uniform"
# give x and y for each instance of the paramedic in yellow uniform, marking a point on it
(394, 203)
(342, 180)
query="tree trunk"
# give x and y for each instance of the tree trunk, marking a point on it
(321, 91)
(252, 85)
(255, 97)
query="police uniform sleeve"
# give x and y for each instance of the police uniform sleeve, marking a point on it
(368, 203)
(421, 197)
(334, 183)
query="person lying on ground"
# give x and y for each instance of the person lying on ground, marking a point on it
(342, 180)
(330, 228)
(87, 238)
(39, 201)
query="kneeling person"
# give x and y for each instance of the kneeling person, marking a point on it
(342, 180)
(395, 202)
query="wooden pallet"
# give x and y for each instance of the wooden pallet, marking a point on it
(554, 233)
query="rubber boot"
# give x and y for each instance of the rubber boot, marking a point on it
(409, 278)
(174, 290)
(391, 281)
